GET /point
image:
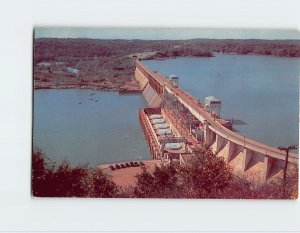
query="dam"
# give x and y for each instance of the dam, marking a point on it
(186, 122)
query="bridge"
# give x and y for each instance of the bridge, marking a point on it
(244, 155)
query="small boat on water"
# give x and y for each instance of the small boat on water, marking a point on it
(79, 103)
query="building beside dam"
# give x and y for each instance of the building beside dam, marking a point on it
(175, 122)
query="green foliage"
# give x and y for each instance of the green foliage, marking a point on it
(48, 49)
(204, 176)
(207, 176)
(205, 173)
(145, 184)
(199, 178)
(40, 172)
(241, 188)
(166, 177)
(162, 183)
(65, 181)
(69, 182)
(102, 185)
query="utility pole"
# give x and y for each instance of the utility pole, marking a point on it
(287, 150)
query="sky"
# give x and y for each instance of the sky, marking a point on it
(164, 33)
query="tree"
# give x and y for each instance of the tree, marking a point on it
(67, 181)
(102, 185)
(166, 177)
(204, 176)
(70, 182)
(162, 183)
(145, 184)
(205, 173)
(39, 174)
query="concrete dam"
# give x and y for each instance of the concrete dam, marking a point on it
(175, 122)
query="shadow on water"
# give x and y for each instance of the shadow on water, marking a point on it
(237, 122)
(235, 130)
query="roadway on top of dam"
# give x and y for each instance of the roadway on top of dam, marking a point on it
(198, 110)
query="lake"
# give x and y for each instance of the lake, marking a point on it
(86, 126)
(260, 93)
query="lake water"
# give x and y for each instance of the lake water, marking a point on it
(69, 125)
(259, 92)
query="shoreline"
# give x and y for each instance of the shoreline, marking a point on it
(130, 86)
(121, 92)
(101, 66)
(74, 87)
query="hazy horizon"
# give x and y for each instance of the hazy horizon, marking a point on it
(165, 33)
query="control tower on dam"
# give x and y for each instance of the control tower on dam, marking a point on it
(188, 123)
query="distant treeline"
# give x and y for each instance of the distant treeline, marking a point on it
(283, 48)
(50, 49)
